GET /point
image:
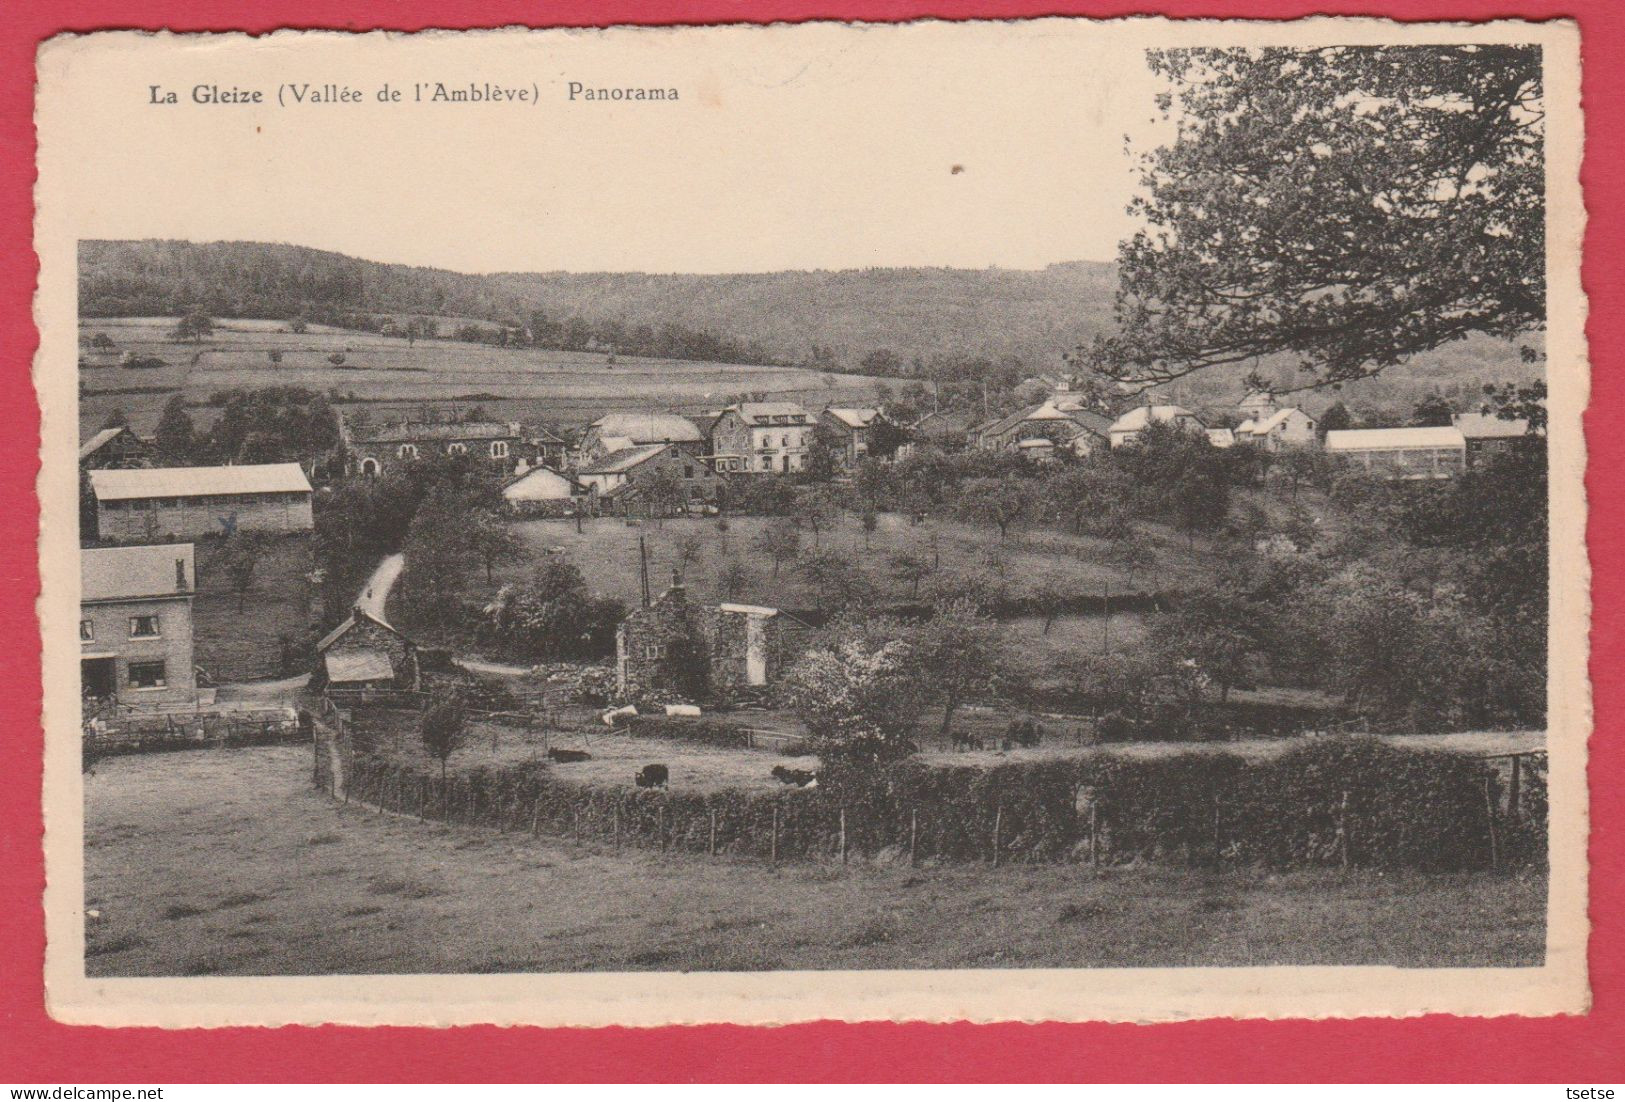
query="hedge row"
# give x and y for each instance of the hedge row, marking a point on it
(1349, 801)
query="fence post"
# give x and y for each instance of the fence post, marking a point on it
(1489, 810)
(843, 835)
(998, 821)
(575, 823)
(660, 826)
(913, 833)
(773, 840)
(1094, 834)
(617, 818)
(535, 816)
(1514, 788)
(712, 845)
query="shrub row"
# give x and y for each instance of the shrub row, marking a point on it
(1346, 801)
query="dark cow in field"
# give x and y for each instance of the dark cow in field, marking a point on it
(653, 776)
(801, 778)
(562, 756)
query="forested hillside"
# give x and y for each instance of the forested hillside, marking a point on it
(959, 326)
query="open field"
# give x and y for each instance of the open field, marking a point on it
(218, 862)
(533, 384)
(616, 757)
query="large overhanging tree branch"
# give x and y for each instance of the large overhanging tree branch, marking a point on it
(1352, 206)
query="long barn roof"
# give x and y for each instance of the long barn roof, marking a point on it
(265, 478)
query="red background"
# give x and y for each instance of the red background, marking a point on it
(36, 1050)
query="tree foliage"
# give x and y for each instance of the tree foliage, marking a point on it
(1350, 205)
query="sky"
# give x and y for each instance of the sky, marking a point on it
(788, 148)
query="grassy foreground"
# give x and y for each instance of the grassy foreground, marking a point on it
(226, 862)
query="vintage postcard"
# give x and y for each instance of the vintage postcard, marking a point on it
(1037, 520)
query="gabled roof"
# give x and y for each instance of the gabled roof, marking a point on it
(1264, 426)
(1431, 436)
(649, 428)
(944, 420)
(356, 617)
(350, 666)
(1487, 426)
(264, 478)
(1142, 416)
(854, 417)
(126, 573)
(1222, 438)
(102, 439)
(536, 473)
(619, 462)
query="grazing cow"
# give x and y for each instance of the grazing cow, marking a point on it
(653, 776)
(801, 778)
(562, 756)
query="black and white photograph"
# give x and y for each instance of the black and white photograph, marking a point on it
(791, 512)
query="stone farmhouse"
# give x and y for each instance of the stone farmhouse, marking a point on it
(621, 481)
(373, 450)
(859, 432)
(1488, 436)
(365, 653)
(148, 505)
(615, 432)
(135, 624)
(1282, 428)
(116, 448)
(680, 649)
(1406, 453)
(1128, 428)
(761, 438)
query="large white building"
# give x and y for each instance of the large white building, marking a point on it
(146, 505)
(762, 438)
(1405, 453)
(1132, 425)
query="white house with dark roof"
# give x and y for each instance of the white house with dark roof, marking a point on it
(135, 624)
(628, 474)
(161, 503)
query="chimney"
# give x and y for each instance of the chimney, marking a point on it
(180, 576)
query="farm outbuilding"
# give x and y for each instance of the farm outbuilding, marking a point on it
(676, 647)
(152, 504)
(365, 653)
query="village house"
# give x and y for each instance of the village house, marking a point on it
(375, 449)
(859, 432)
(135, 624)
(761, 437)
(1221, 438)
(548, 447)
(615, 432)
(116, 448)
(696, 651)
(948, 429)
(542, 492)
(1132, 425)
(1488, 436)
(1284, 428)
(1054, 423)
(623, 480)
(363, 652)
(145, 505)
(1404, 453)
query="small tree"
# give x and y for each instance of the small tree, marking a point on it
(996, 501)
(911, 570)
(732, 580)
(870, 522)
(857, 696)
(442, 728)
(175, 436)
(955, 656)
(780, 542)
(241, 561)
(818, 509)
(194, 326)
(101, 342)
(336, 359)
(494, 541)
(274, 355)
(687, 551)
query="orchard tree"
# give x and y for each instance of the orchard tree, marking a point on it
(493, 540)
(1351, 206)
(779, 541)
(1000, 502)
(858, 695)
(442, 728)
(193, 326)
(956, 656)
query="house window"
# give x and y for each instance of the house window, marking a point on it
(457, 449)
(147, 675)
(784, 441)
(369, 467)
(143, 627)
(653, 652)
(499, 449)
(87, 631)
(767, 462)
(408, 451)
(688, 470)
